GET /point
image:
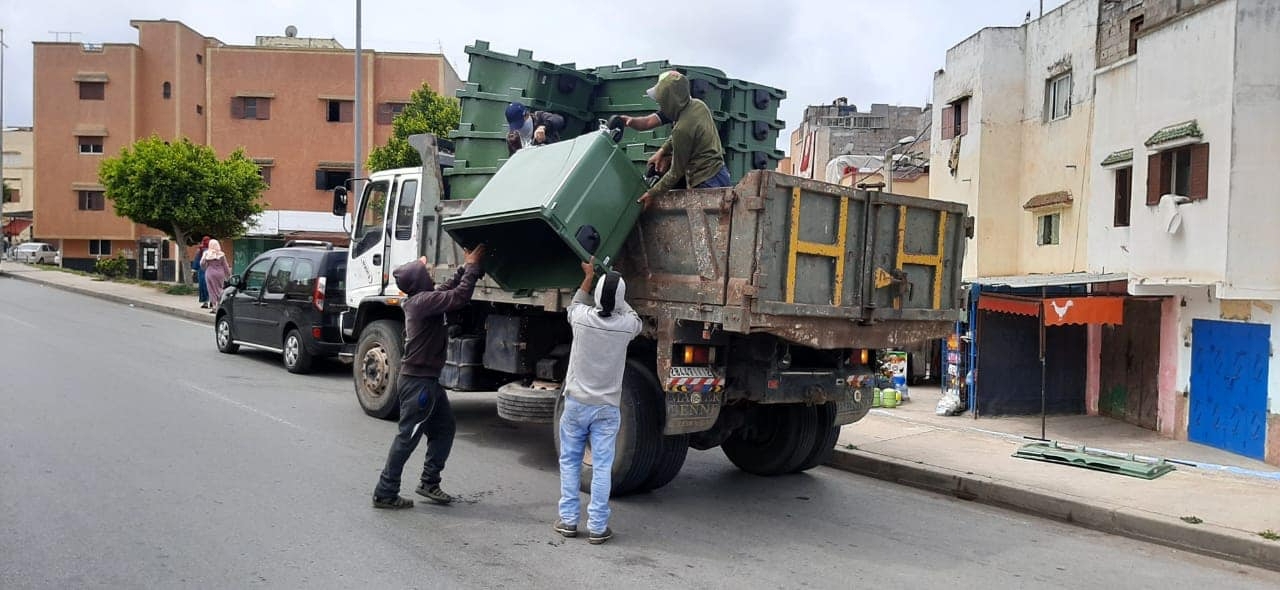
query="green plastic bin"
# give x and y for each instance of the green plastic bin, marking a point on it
(623, 87)
(481, 149)
(548, 208)
(754, 101)
(465, 182)
(742, 162)
(556, 84)
(750, 134)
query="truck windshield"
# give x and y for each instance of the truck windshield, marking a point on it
(370, 223)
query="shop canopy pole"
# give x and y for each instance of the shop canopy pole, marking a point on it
(1043, 371)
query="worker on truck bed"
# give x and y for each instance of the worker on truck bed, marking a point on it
(424, 406)
(526, 128)
(692, 156)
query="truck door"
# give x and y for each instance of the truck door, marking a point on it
(368, 242)
(405, 232)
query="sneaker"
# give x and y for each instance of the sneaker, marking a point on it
(598, 538)
(567, 530)
(396, 503)
(435, 494)
(204, 306)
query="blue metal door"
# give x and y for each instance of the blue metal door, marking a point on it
(1229, 386)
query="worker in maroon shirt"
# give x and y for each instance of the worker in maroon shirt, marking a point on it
(424, 406)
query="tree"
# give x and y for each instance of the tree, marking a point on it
(427, 112)
(183, 190)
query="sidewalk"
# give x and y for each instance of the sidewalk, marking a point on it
(184, 306)
(1235, 497)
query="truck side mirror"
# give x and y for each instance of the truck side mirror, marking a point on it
(340, 201)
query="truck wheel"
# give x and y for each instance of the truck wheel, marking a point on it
(377, 368)
(518, 403)
(672, 450)
(825, 439)
(296, 358)
(639, 435)
(777, 439)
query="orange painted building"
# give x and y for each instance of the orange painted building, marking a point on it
(288, 101)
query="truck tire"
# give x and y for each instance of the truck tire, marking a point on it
(518, 403)
(377, 368)
(776, 440)
(672, 450)
(825, 441)
(639, 436)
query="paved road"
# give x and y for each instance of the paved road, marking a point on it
(133, 455)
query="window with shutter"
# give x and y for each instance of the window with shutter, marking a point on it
(264, 109)
(384, 114)
(237, 108)
(1198, 180)
(1156, 179)
(962, 126)
(948, 123)
(93, 90)
(346, 111)
(1124, 188)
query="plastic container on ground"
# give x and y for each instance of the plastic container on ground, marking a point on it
(549, 208)
(556, 84)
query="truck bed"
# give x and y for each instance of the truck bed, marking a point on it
(816, 264)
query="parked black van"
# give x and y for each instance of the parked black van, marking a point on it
(289, 300)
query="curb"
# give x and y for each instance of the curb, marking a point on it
(195, 316)
(1207, 539)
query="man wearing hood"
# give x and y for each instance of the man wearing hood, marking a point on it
(692, 156)
(424, 407)
(592, 393)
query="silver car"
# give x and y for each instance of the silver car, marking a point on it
(35, 253)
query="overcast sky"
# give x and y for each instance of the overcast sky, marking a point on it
(866, 50)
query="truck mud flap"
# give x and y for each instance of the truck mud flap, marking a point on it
(693, 396)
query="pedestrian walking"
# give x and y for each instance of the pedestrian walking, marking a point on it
(592, 394)
(424, 406)
(197, 272)
(216, 270)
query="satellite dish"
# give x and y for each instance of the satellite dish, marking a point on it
(291, 31)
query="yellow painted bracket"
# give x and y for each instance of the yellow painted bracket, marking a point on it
(798, 246)
(930, 260)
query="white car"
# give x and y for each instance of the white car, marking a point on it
(35, 253)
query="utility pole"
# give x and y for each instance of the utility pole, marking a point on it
(3, 193)
(358, 165)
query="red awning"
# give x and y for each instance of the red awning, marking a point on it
(1084, 310)
(1013, 305)
(14, 227)
(1061, 311)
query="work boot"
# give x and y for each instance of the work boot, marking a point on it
(567, 530)
(434, 493)
(396, 503)
(598, 538)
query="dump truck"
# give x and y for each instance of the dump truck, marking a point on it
(762, 303)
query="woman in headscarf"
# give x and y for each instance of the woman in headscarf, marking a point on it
(216, 271)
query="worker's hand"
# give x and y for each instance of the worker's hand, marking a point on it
(475, 255)
(646, 201)
(660, 161)
(626, 121)
(589, 268)
(540, 134)
(423, 260)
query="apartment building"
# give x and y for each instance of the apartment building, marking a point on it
(19, 184)
(1115, 154)
(289, 101)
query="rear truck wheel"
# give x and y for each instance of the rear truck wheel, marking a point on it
(535, 405)
(672, 449)
(296, 357)
(222, 335)
(639, 435)
(824, 439)
(377, 368)
(775, 440)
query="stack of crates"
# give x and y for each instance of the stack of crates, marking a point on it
(496, 80)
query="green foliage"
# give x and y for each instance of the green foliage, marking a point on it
(183, 189)
(1269, 535)
(427, 112)
(113, 267)
(180, 290)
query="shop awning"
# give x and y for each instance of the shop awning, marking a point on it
(1059, 311)
(14, 227)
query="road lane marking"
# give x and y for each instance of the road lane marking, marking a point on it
(241, 405)
(18, 321)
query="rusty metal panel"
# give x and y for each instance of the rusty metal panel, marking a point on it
(915, 254)
(679, 250)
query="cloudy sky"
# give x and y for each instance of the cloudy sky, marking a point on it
(866, 50)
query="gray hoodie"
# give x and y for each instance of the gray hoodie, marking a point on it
(599, 351)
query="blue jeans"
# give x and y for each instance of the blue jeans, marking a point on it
(720, 180)
(580, 423)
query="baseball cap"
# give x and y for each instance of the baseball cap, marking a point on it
(515, 115)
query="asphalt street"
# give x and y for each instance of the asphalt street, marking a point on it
(134, 455)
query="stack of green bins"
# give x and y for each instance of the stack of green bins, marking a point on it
(495, 80)
(750, 139)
